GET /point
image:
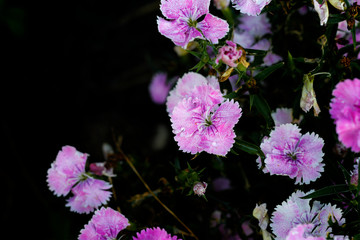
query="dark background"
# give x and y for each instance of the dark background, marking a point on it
(73, 73)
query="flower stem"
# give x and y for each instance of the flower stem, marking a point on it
(152, 193)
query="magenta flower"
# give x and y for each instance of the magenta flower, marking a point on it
(290, 153)
(159, 88)
(204, 121)
(185, 85)
(66, 170)
(154, 234)
(183, 26)
(89, 195)
(299, 233)
(250, 7)
(297, 211)
(106, 223)
(345, 110)
(229, 54)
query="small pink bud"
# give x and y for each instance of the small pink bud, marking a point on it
(200, 188)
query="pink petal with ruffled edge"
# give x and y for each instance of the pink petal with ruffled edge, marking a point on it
(348, 130)
(154, 234)
(250, 7)
(213, 28)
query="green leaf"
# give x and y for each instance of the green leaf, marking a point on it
(249, 148)
(263, 107)
(345, 172)
(335, 18)
(329, 190)
(353, 37)
(231, 95)
(255, 52)
(267, 71)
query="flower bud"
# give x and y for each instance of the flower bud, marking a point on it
(308, 97)
(200, 188)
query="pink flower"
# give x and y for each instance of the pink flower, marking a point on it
(290, 153)
(66, 170)
(183, 26)
(345, 110)
(298, 233)
(355, 173)
(221, 184)
(89, 195)
(154, 234)
(282, 116)
(159, 88)
(106, 223)
(200, 188)
(229, 54)
(297, 211)
(185, 85)
(250, 7)
(204, 121)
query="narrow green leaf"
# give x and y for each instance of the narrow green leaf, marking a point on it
(249, 148)
(345, 172)
(196, 54)
(267, 71)
(231, 95)
(353, 37)
(329, 190)
(255, 52)
(335, 18)
(263, 107)
(251, 100)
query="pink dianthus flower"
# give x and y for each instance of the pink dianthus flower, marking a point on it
(297, 211)
(66, 170)
(298, 233)
(345, 110)
(204, 121)
(159, 88)
(229, 54)
(250, 7)
(89, 195)
(154, 234)
(290, 153)
(106, 223)
(183, 26)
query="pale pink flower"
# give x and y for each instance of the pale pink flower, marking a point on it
(154, 234)
(66, 170)
(89, 195)
(183, 26)
(229, 54)
(159, 88)
(282, 116)
(200, 188)
(297, 211)
(355, 173)
(299, 233)
(106, 223)
(250, 7)
(290, 153)
(185, 85)
(345, 110)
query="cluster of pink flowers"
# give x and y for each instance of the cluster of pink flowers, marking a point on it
(345, 110)
(183, 26)
(297, 211)
(67, 173)
(202, 119)
(290, 153)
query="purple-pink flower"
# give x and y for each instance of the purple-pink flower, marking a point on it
(203, 120)
(290, 153)
(106, 223)
(345, 110)
(250, 7)
(154, 234)
(66, 170)
(89, 195)
(159, 88)
(183, 26)
(229, 54)
(67, 173)
(297, 211)
(299, 233)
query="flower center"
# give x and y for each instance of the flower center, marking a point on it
(192, 23)
(292, 156)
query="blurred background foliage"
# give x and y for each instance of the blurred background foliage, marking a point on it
(77, 73)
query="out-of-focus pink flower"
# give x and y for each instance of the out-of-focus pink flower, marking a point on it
(159, 88)
(345, 110)
(250, 7)
(290, 153)
(221, 184)
(106, 223)
(154, 234)
(200, 188)
(299, 233)
(297, 211)
(229, 54)
(66, 170)
(183, 26)
(355, 173)
(282, 116)
(89, 195)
